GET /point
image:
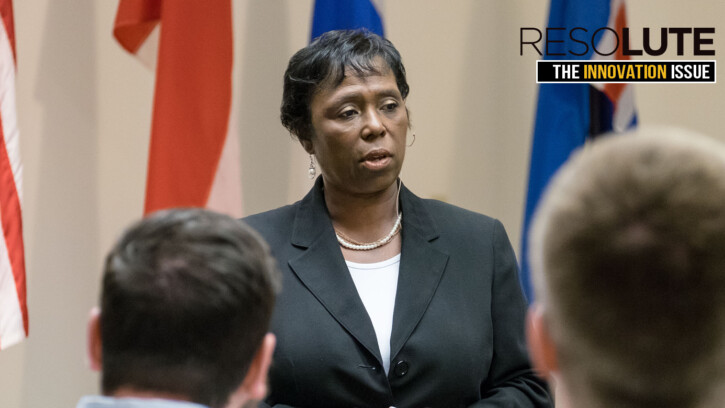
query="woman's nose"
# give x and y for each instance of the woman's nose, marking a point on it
(374, 126)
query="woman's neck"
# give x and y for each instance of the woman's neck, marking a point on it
(363, 217)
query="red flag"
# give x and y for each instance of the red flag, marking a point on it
(13, 305)
(194, 155)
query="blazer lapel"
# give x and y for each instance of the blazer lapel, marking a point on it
(421, 269)
(322, 269)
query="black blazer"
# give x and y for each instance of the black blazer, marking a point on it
(457, 337)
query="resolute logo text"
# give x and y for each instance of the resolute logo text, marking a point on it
(610, 52)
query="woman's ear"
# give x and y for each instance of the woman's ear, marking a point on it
(541, 346)
(95, 345)
(308, 146)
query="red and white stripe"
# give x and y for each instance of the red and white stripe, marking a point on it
(621, 95)
(13, 305)
(194, 153)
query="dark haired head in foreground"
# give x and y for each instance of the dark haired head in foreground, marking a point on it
(628, 255)
(185, 306)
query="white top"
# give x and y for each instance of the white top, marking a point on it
(377, 284)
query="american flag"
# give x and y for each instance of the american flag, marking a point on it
(13, 305)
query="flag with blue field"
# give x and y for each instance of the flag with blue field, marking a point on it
(346, 14)
(567, 115)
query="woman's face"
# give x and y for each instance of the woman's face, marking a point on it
(358, 132)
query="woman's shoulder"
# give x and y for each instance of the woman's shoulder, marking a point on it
(459, 227)
(448, 215)
(275, 220)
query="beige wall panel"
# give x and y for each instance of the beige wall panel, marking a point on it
(84, 109)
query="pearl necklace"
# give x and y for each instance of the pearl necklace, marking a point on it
(366, 246)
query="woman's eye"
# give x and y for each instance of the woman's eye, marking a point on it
(347, 113)
(390, 106)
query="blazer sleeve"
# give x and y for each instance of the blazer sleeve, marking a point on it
(511, 382)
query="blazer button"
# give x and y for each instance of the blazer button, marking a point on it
(401, 368)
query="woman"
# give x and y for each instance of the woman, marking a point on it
(388, 299)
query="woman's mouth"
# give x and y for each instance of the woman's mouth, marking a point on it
(377, 159)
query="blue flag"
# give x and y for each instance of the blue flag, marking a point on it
(568, 115)
(345, 14)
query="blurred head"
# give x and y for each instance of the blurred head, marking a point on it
(628, 260)
(185, 306)
(344, 99)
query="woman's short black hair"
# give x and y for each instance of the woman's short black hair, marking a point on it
(325, 60)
